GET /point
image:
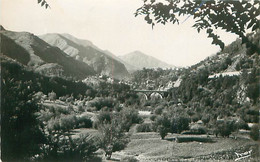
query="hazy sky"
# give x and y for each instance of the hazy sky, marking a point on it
(111, 25)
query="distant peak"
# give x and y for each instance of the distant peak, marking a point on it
(67, 34)
(137, 51)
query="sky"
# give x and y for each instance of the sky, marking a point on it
(111, 25)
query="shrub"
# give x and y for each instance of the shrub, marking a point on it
(67, 122)
(158, 110)
(128, 117)
(205, 119)
(254, 133)
(195, 118)
(99, 103)
(112, 137)
(104, 116)
(198, 129)
(153, 117)
(84, 122)
(179, 124)
(144, 127)
(241, 124)
(163, 131)
(65, 148)
(193, 138)
(224, 128)
(162, 125)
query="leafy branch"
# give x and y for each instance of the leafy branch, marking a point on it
(236, 17)
(43, 3)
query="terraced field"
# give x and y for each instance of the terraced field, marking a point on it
(149, 147)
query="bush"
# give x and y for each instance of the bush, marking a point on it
(254, 133)
(193, 138)
(153, 117)
(65, 148)
(103, 117)
(205, 118)
(195, 118)
(144, 127)
(224, 128)
(179, 124)
(128, 117)
(67, 122)
(162, 131)
(241, 124)
(99, 103)
(162, 125)
(198, 129)
(112, 137)
(84, 122)
(158, 110)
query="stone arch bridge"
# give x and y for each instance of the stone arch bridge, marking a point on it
(148, 93)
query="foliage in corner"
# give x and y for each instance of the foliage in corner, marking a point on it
(43, 3)
(237, 17)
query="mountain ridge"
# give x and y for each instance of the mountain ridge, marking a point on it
(37, 52)
(87, 52)
(140, 60)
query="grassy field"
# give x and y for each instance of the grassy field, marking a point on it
(150, 147)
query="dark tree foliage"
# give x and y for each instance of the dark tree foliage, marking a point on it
(254, 133)
(21, 135)
(24, 123)
(179, 124)
(112, 137)
(236, 17)
(45, 84)
(44, 3)
(253, 88)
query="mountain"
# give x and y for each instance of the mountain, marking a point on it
(225, 79)
(130, 68)
(140, 60)
(38, 55)
(224, 85)
(85, 51)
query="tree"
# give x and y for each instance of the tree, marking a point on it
(236, 17)
(128, 117)
(112, 137)
(21, 135)
(225, 127)
(254, 133)
(163, 125)
(179, 124)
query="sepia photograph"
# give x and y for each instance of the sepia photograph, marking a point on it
(130, 80)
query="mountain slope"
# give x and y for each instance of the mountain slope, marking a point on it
(33, 52)
(130, 68)
(141, 60)
(226, 79)
(88, 53)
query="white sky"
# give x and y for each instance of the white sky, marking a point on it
(111, 25)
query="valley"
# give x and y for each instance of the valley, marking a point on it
(64, 99)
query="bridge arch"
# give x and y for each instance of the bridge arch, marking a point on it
(152, 93)
(143, 96)
(155, 96)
